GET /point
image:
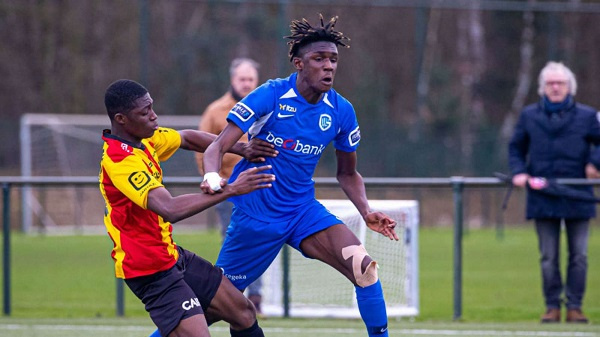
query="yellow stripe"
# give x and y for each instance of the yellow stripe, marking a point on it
(114, 233)
(167, 238)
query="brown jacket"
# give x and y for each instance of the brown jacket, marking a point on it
(214, 120)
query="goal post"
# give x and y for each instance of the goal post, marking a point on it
(71, 145)
(317, 290)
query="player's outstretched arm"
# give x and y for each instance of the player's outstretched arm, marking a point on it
(353, 185)
(213, 157)
(195, 140)
(255, 150)
(173, 209)
(250, 180)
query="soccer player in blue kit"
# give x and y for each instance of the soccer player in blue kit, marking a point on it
(300, 115)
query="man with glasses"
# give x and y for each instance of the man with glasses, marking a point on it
(555, 138)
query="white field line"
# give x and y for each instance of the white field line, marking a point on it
(310, 331)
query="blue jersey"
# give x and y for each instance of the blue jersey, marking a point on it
(300, 131)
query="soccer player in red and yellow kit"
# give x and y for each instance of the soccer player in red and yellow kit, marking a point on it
(182, 292)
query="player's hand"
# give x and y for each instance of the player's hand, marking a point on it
(214, 184)
(257, 149)
(252, 179)
(383, 224)
(520, 179)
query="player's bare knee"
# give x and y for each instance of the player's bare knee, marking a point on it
(244, 317)
(358, 253)
(243, 321)
(248, 316)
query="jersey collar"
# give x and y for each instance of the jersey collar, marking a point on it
(106, 135)
(293, 92)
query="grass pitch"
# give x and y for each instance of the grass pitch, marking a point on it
(277, 327)
(65, 286)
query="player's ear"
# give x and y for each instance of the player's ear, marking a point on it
(120, 118)
(297, 61)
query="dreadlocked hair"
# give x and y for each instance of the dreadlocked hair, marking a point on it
(303, 33)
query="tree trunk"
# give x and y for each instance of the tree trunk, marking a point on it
(572, 21)
(431, 41)
(470, 48)
(524, 77)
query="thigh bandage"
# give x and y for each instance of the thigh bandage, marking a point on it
(358, 253)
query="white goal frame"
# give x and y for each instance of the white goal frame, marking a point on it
(401, 289)
(66, 129)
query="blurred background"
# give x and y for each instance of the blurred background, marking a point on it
(437, 85)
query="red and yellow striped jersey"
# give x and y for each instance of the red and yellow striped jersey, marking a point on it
(143, 244)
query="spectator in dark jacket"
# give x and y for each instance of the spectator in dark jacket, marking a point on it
(555, 138)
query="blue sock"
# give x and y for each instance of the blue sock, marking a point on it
(372, 309)
(155, 334)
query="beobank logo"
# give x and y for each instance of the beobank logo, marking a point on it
(295, 145)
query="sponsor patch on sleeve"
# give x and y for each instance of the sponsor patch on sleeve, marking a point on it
(354, 137)
(242, 111)
(139, 179)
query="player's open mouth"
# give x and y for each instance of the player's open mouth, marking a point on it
(327, 80)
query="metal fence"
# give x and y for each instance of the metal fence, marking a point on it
(456, 184)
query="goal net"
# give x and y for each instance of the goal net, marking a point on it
(71, 145)
(318, 290)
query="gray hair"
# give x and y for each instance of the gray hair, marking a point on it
(239, 61)
(559, 67)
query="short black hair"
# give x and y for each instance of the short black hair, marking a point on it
(121, 95)
(303, 33)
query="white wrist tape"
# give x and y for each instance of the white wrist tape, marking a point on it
(214, 180)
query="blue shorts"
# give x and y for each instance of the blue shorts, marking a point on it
(251, 245)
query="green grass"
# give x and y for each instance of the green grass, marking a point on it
(71, 277)
(130, 327)
(501, 277)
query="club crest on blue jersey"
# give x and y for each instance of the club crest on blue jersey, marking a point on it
(324, 122)
(354, 137)
(242, 111)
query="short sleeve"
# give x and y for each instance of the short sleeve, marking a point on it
(255, 105)
(348, 136)
(165, 141)
(130, 176)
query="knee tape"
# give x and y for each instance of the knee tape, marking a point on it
(358, 253)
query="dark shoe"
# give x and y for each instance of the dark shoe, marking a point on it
(552, 315)
(576, 316)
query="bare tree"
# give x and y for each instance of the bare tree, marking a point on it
(524, 76)
(424, 75)
(471, 54)
(572, 24)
